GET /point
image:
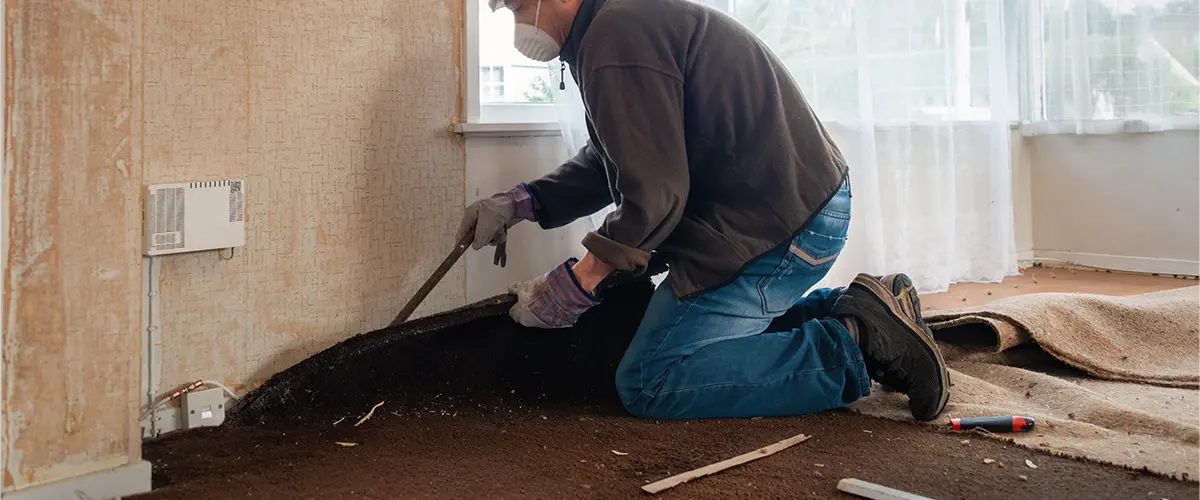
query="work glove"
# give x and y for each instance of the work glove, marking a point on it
(490, 219)
(554, 300)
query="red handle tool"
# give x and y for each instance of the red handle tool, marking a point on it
(1013, 423)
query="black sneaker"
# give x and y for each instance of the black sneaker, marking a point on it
(910, 303)
(898, 349)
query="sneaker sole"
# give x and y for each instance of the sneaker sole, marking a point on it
(879, 290)
(902, 288)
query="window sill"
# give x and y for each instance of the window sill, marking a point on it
(1113, 126)
(534, 129)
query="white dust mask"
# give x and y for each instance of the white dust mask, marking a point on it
(534, 43)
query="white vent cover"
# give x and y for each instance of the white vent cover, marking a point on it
(195, 216)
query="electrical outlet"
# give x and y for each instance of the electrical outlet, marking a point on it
(203, 408)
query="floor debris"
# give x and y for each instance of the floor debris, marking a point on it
(480, 381)
(1024, 478)
(676, 480)
(619, 453)
(1030, 464)
(346, 444)
(339, 420)
(860, 488)
(988, 461)
(369, 414)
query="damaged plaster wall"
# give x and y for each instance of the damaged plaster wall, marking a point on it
(71, 275)
(337, 114)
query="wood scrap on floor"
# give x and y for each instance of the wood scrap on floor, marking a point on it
(858, 487)
(678, 479)
(368, 415)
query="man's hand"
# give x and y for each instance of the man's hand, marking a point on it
(491, 217)
(555, 300)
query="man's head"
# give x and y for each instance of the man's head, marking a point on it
(542, 25)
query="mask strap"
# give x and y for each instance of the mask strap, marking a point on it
(537, 16)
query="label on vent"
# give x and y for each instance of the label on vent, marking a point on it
(237, 206)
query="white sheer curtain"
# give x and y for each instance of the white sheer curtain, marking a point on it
(572, 119)
(915, 93)
(1111, 66)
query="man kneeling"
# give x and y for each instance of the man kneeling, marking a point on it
(716, 162)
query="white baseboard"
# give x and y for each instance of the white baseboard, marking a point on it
(1025, 257)
(1120, 262)
(120, 482)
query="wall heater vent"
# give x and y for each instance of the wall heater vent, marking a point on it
(194, 216)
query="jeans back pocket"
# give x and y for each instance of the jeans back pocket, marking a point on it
(808, 257)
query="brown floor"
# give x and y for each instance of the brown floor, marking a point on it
(1053, 280)
(442, 448)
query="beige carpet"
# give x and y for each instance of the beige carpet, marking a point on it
(1113, 379)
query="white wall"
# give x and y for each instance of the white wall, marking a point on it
(1121, 201)
(1079, 198)
(1022, 197)
(496, 164)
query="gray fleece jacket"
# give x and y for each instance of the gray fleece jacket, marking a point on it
(697, 133)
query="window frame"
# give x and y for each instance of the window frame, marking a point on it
(479, 113)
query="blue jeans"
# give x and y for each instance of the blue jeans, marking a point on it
(711, 356)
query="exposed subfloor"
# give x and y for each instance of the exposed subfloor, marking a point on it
(442, 448)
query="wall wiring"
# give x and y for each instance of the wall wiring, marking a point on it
(150, 409)
(165, 399)
(152, 351)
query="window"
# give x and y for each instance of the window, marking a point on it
(491, 84)
(919, 61)
(1116, 59)
(511, 88)
(894, 62)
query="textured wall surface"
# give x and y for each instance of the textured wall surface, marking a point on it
(71, 275)
(337, 114)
